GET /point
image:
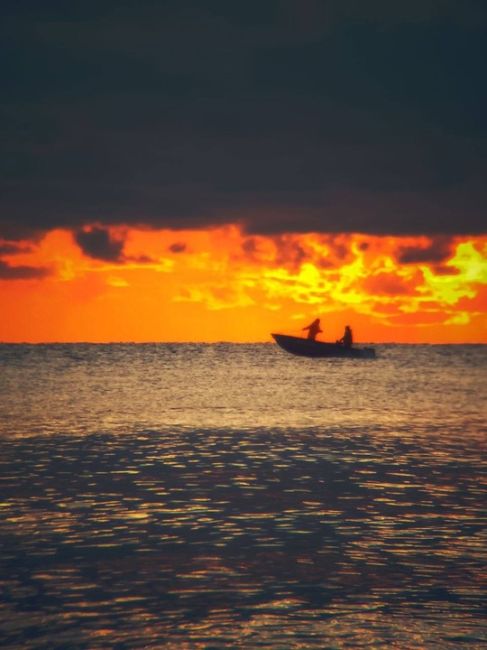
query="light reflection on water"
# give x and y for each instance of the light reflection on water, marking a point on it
(363, 533)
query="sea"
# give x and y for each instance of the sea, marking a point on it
(209, 496)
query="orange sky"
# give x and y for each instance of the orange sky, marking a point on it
(223, 285)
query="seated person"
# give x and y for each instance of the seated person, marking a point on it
(347, 338)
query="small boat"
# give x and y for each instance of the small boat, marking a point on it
(309, 348)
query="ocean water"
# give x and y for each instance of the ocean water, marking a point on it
(234, 496)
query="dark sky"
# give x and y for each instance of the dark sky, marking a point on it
(284, 115)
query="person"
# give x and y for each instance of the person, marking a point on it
(347, 338)
(313, 329)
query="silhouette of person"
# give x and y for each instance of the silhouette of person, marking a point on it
(347, 338)
(313, 329)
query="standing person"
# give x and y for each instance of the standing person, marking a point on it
(313, 329)
(347, 338)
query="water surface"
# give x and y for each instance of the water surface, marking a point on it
(234, 496)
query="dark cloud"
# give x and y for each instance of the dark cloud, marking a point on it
(387, 284)
(177, 247)
(289, 253)
(285, 116)
(340, 251)
(8, 272)
(139, 259)
(441, 269)
(437, 251)
(13, 248)
(99, 244)
(250, 247)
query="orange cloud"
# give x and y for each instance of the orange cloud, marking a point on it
(221, 284)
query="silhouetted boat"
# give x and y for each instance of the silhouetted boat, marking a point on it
(308, 348)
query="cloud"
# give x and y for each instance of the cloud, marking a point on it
(250, 247)
(139, 259)
(441, 269)
(290, 253)
(178, 247)
(297, 117)
(8, 272)
(99, 244)
(436, 252)
(13, 248)
(387, 284)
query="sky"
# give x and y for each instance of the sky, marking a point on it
(212, 170)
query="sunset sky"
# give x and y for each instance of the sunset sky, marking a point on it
(215, 171)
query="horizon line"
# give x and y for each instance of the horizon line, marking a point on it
(114, 342)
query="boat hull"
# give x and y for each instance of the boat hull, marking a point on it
(308, 348)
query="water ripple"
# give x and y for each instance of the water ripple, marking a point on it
(217, 538)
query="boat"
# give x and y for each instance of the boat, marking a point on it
(310, 348)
